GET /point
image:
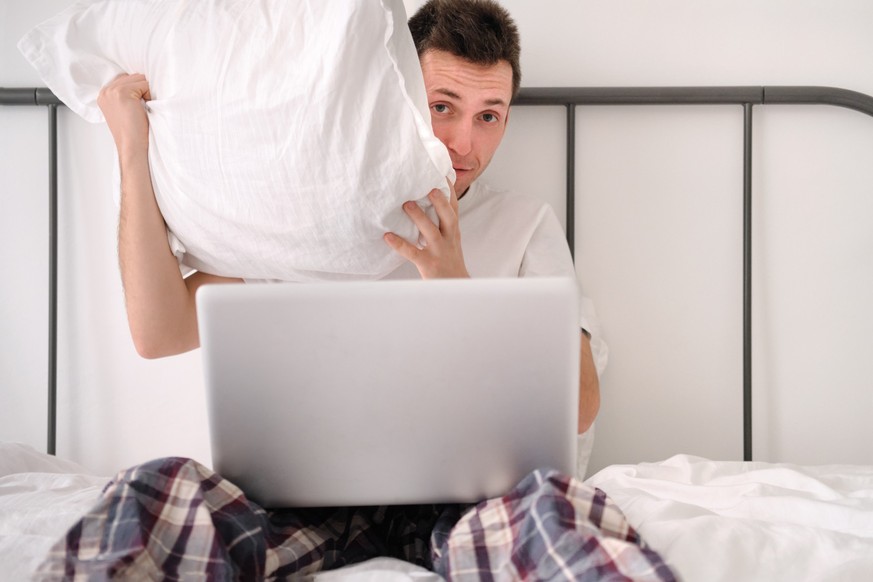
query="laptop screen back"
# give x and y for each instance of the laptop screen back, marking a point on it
(389, 392)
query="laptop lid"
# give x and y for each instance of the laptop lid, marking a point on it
(389, 392)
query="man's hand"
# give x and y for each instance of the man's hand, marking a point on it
(441, 257)
(121, 102)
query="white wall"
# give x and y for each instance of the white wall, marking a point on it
(658, 223)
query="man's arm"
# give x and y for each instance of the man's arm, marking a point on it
(589, 386)
(160, 304)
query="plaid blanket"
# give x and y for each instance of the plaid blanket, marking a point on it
(175, 519)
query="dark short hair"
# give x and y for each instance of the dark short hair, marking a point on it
(480, 31)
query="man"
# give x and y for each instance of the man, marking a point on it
(177, 517)
(469, 88)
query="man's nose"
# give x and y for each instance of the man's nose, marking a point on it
(460, 138)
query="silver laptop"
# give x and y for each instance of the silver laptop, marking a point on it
(390, 392)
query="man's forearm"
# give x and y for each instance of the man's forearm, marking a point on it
(589, 387)
(160, 310)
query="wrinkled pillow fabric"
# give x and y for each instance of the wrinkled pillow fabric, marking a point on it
(285, 134)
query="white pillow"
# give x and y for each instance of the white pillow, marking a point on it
(285, 134)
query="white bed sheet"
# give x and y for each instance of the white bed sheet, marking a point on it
(750, 521)
(41, 496)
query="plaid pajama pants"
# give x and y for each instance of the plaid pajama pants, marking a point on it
(175, 519)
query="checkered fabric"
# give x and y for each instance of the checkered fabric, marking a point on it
(174, 519)
(549, 527)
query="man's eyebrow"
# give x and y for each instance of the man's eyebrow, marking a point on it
(447, 93)
(451, 94)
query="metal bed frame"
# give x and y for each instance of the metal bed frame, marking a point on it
(568, 97)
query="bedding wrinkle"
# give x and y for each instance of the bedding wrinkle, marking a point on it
(750, 521)
(223, 105)
(41, 497)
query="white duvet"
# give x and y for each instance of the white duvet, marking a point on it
(41, 496)
(750, 521)
(710, 520)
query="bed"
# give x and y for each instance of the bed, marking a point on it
(710, 519)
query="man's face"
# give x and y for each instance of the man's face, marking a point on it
(469, 108)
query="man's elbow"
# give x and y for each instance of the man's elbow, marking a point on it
(150, 351)
(152, 346)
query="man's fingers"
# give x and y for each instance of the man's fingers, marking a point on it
(425, 225)
(138, 87)
(401, 246)
(453, 196)
(446, 211)
(134, 86)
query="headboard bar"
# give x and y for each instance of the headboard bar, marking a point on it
(28, 96)
(570, 98)
(819, 96)
(44, 97)
(638, 95)
(747, 281)
(764, 95)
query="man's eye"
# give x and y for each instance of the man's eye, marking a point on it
(489, 117)
(440, 108)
